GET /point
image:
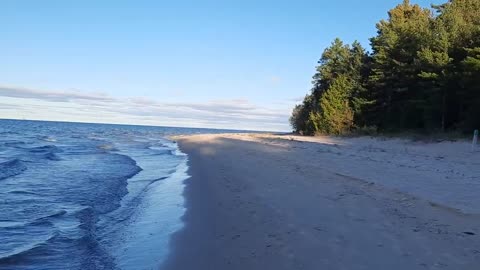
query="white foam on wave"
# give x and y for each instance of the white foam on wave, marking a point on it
(49, 139)
(144, 240)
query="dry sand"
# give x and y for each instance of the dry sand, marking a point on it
(284, 202)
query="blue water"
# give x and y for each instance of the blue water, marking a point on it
(88, 196)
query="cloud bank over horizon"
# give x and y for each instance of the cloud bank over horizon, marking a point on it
(94, 107)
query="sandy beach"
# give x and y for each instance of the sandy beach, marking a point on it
(261, 201)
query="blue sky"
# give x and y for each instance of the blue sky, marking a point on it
(221, 64)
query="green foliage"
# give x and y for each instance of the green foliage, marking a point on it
(299, 120)
(394, 78)
(423, 73)
(338, 94)
(471, 80)
(335, 115)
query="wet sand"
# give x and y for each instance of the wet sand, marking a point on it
(256, 202)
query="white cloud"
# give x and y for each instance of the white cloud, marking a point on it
(58, 96)
(97, 107)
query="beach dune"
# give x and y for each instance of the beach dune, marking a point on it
(287, 202)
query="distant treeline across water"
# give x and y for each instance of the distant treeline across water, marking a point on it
(423, 74)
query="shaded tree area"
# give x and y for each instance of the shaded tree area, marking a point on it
(423, 74)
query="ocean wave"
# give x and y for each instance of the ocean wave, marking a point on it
(11, 168)
(14, 144)
(151, 181)
(175, 149)
(45, 149)
(55, 214)
(23, 192)
(52, 156)
(7, 224)
(47, 139)
(45, 220)
(162, 151)
(107, 147)
(8, 133)
(19, 254)
(40, 249)
(48, 152)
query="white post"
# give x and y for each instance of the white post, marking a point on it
(475, 139)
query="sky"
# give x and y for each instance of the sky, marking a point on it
(216, 64)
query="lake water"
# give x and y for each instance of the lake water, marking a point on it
(89, 196)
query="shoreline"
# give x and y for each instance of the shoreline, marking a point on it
(195, 220)
(253, 203)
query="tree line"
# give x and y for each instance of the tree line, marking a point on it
(423, 73)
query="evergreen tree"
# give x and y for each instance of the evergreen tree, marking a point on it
(338, 61)
(471, 80)
(434, 62)
(394, 78)
(335, 115)
(423, 73)
(299, 119)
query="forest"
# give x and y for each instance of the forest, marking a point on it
(422, 74)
